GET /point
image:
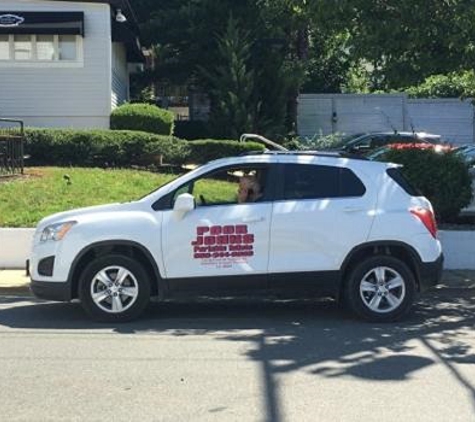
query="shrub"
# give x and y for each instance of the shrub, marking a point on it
(442, 178)
(63, 147)
(318, 142)
(142, 117)
(452, 85)
(205, 150)
(107, 148)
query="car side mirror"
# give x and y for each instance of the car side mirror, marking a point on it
(184, 203)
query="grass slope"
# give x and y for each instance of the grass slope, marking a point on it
(44, 191)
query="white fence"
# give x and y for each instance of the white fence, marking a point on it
(324, 114)
(15, 248)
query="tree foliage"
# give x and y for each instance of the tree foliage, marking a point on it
(314, 45)
(453, 85)
(231, 84)
(402, 42)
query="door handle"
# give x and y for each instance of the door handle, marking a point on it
(353, 209)
(253, 219)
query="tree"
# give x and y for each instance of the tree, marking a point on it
(401, 42)
(231, 84)
(184, 35)
(316, 45)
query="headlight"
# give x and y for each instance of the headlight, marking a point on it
(56, 231)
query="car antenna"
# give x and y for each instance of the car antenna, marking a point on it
(245, 136)
(412, 126)
(388, 120)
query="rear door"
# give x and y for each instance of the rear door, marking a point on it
(321, 212)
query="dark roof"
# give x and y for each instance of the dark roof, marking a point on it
(127, 32)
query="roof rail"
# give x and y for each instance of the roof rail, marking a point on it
(245, 136)
(330, 154)
(280, 150)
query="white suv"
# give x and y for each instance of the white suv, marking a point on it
(301, 224)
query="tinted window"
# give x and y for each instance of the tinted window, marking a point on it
(350, 185)
(314, 182)
(406, 140)
(400, 179)
(378, 141)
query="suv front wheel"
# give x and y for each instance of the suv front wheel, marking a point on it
(380, 289)
(114, 288)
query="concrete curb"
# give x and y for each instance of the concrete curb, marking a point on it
(458, 279)
(15, 246)
(23, 290)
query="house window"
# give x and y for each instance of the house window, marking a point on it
(22, 47)
(45, 49)
(67, 47)
(4, 47)
(16, 48)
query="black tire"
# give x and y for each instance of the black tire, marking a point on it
(360, 300)
(137, 281)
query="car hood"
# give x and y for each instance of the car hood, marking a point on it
(79, 213)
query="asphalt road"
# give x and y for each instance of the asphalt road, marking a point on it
(239, 361)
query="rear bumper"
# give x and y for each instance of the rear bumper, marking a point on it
(430, 273)
(59, 291)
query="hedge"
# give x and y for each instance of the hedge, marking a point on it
(107, 148)
(204, 150)
(142, 117)
(441, 177)
(64, 147)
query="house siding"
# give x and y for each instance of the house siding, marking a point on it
(120, 75)
(62, 96)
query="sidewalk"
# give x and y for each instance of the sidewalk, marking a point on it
(15, 282)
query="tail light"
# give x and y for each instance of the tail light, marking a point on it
(427, 218)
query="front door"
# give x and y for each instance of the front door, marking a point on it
(224, 242)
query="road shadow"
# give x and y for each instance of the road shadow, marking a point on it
(315, 336)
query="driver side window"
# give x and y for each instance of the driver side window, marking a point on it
(229, 186)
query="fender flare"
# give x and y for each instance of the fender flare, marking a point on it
(415, 257)
(161, 282)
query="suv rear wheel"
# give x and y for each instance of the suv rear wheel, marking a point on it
(114, 288)
(380, 289)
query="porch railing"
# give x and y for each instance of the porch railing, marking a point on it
(12, 139)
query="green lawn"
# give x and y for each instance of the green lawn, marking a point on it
(43, 191)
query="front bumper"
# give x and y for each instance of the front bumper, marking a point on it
(430, 273)
(58, 291)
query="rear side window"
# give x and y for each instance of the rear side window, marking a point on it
(307, 181)
(401, 180)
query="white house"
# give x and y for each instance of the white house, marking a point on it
(65, 63)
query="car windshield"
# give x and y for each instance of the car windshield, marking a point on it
(466, 153)
(349, 139)
(378, 152)
(429, 139)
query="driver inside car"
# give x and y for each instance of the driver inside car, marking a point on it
(249, 189)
